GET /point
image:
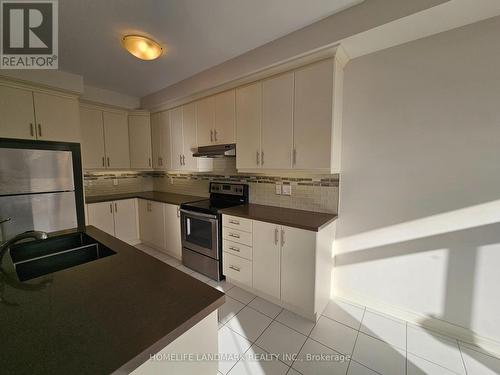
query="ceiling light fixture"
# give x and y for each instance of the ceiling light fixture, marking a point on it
(142, 47)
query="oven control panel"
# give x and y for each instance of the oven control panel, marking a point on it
(229, 189)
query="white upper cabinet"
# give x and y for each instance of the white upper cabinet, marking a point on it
(177, 140)
(17, 118)
(139, 130)
(93, 152)
(189, 136)
(225, 118)
(313, 116)
(160, 139)
(248, 126)
(277, 122)
(38, 115)
(116, 140)
(205, 120)
(57, 117)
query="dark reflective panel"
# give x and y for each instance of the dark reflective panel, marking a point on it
(199, 232)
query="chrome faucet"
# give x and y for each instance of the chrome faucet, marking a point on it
(34, 234)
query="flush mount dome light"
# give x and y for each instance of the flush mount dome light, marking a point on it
(142, 47)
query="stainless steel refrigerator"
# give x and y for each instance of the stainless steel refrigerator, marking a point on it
(37, 190)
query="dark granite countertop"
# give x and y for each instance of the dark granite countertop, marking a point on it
(98, 317)
(308, 220)
(158, 196)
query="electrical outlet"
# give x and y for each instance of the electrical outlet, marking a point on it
(278, 189)
(287, 189)
(115, 181)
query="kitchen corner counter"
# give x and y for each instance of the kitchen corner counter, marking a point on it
(103, 316)
(308, 220)
(158, 196)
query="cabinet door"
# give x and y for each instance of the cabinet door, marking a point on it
(298, 258)
(177, 140)
(248, 125)
(205, 121)
(139, 131)
(173, 231)
(189, 136)
(157, 221)
(313, 116)
(160, 134)
(266, 258)
(225, 117)
(126, 228)
(100, 215)
(17, 118)
(277, 122)
(145, 221)
(57, 118)
(116, 140)
(92, 138)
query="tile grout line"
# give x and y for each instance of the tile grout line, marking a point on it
(355, 341)
(462, 357)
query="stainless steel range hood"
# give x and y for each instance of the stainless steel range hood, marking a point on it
(216, 151)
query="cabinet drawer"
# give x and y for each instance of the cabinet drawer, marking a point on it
(236, 235)
(238, 269)
(240, 250)
(237, 223)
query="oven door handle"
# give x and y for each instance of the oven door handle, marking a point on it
(198, 214)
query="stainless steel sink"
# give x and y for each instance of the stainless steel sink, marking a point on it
(38, 258)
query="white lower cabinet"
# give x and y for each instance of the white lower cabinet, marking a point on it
(152, 223)
(266, 258)
(117, 218)
(101, 216)
(173, 244)
(289, 266)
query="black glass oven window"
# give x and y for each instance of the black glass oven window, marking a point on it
(199, 232)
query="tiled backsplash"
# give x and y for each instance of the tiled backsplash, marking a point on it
(309, 192)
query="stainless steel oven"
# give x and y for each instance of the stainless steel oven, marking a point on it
(199, 232)
(201, 227)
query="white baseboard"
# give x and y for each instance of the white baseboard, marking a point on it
(440, 326)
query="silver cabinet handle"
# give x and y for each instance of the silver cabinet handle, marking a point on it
(234, 248)
(262, 158)
(282, 237)
(234, 222)
(159, 161)
(180, 159)
(257, 157)
(149, 161)
(178, 212)
(183, 160)
(215, 135)
(103, 161)
(32, 131)
(211, 135)
(234, 235)
(111, 207)
(235, 268)
(108, 162)
(294, 156)
(39, 130)
(116, 207)
(276, 236)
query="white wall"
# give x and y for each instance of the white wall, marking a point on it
(419, 215)
(108, 97)
(357, 19)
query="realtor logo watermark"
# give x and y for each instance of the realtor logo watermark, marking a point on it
(29, 37)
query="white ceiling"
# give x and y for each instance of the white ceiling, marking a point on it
(198, 34)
